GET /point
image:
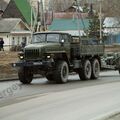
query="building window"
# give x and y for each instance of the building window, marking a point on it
(24, 40)
(13, 41)
(18, 42)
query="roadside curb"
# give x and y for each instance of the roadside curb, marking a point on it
(15, 79)
(8, 79)
(108, 115)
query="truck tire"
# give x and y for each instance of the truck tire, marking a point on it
(119, 71)
(50, 77)
(86, 71)
(61, 72)
(95, 69)
(25, 75)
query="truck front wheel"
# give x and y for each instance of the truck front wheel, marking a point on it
(85, 71)
(25, 75)
(49, 77)
(61, 72)
(95, 69)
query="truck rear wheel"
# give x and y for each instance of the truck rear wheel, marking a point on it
(25, 75)
(86, 71)
(61, 72)
(95, 69)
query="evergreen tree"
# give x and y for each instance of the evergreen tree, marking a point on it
(94, 26)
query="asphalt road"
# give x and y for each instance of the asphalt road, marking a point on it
(76, 100)
(13, 91)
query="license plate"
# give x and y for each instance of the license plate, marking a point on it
(37, 63)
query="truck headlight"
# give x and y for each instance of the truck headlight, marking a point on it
(48, 56)
(21, 57)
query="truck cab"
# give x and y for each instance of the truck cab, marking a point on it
(47, 43)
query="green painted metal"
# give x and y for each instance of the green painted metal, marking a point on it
(25, 9)
(68, 24)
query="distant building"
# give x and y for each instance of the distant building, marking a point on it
(63, 15)
(72, 26)
(14, 31)
(69, 15)
(112, 25)
(112, 30)
(73, 8)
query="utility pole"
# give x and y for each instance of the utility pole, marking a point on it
(78, 24)
(100, 17)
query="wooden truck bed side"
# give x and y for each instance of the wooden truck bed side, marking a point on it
(87, 46)
(91, 49)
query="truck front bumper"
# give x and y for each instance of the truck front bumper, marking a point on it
(39, 64)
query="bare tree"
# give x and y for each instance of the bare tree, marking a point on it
(111, 8)
(60, 5)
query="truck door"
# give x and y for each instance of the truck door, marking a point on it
(65, 43)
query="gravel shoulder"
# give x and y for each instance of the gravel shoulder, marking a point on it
(6, 70)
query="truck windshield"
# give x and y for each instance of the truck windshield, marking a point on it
(38, 38)
(52, 37)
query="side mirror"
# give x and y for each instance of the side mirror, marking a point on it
(62, 42)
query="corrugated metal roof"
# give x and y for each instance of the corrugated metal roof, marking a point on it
(7, 25)
(112, 22)
(68, 24)
(24, 8)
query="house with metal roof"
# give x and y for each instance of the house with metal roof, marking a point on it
(14, 31)
(72, 26)
(112, 30)
(112, 25)
(69, 15)
(18, 9)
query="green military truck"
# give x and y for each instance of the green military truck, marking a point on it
(56, 54)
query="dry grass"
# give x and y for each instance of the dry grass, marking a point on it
(5, 59)
(8, 57)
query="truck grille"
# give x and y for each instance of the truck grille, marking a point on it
(31, 54)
